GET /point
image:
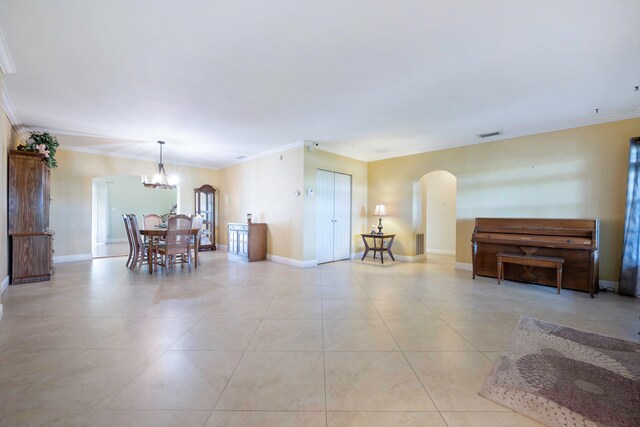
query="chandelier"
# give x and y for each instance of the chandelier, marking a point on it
(160, 178)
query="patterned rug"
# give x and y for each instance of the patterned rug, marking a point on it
(561, 376)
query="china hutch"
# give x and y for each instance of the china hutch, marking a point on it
(205, 206)
(30, 240)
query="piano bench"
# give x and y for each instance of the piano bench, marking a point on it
(530, 261)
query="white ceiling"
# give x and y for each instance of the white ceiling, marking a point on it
(223, 79)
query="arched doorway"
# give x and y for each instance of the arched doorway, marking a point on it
(438, 213)
(115, 195)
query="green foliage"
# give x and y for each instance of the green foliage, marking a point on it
(45, 143)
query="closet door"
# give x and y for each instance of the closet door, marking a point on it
(342, 217)
(333, 199)
(324, 206)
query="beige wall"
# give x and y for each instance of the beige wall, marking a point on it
(9, 140)
(575, 173)
(71, 193)
(314, 160)
(264, 187)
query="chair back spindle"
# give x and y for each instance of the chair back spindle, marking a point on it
(140, 252)
(178, 241)
(127, 229)
(151, 220)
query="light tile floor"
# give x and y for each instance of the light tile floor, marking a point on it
(263, 344)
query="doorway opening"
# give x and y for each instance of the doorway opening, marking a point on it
(438, 191)
(112, 196)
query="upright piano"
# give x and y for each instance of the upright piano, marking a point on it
(575, 240)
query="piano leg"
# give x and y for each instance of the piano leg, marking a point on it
(474, 253)
(559, 277)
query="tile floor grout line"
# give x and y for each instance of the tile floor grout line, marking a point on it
(458, 333)
(410, 365)
(324, 358)
(132, 380)
(146, 367)
(240, 360)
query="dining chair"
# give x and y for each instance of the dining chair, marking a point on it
(196, 224)
(177, 246)
(151, 220)
(127, 229)
(140, 248)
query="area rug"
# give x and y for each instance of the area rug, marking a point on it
(560, 376)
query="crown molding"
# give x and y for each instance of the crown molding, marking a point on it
(61, 132)
(269, 152)
(132, 157)
(12, 115)
(507, 134)
(559, 126)
(9, 109)
(343, 154)
(6, 62)
(88, 150)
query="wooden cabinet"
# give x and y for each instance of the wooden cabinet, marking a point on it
(31, 257)
(31, 241)
(247, 241)
(205, 205)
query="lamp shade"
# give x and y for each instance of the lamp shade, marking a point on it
(381, 210)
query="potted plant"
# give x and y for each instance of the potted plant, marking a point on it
(44, 143)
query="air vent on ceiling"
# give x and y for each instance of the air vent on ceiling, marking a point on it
(490, 134)
(241, 157)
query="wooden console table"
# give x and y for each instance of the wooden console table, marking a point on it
(378, 247)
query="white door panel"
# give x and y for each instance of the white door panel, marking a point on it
(324, 206)
(333, 201)
(342, 217)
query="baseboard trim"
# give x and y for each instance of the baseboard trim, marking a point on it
(464, 266)
(121, 240)
(4, 285)
(309, 263)
(219, 246)
(604, 284)
(72, 258)
(292, 262)
(441, 252)
(401, 258)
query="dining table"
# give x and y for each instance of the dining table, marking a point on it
(155, 234)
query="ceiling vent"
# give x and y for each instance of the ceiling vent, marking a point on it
(490, 134)
(241, 157)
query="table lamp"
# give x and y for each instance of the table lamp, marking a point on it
(380, 211)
